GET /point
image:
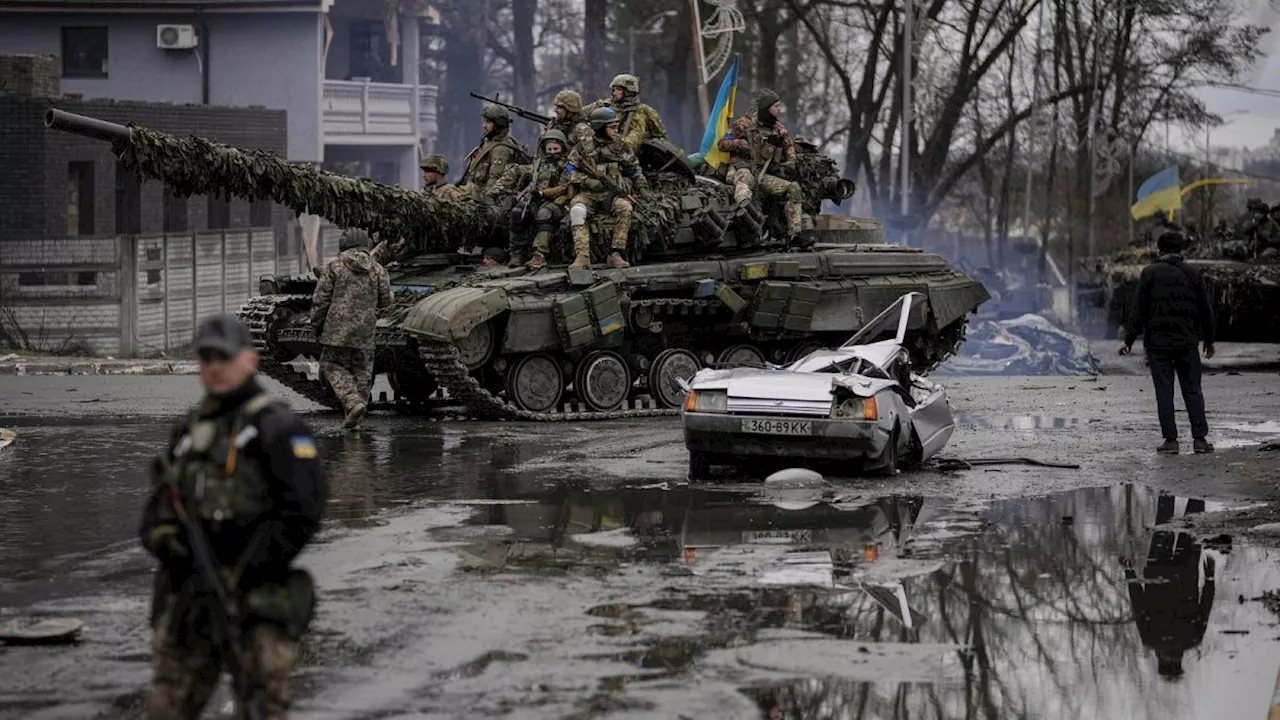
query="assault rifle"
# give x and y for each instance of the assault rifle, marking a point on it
(517, 110)
(613, 187)
(228, 621)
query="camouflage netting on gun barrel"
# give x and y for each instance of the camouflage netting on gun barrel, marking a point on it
(195, 166)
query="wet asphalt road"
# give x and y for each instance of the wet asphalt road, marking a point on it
(549, 571)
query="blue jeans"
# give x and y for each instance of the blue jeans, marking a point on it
(1185, 365)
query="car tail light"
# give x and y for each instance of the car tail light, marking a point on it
(858, 408)
(707, 401)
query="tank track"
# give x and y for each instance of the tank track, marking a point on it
(257, 313)
(441, 359)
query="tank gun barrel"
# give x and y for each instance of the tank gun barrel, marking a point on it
(196, 166)
(86, 126)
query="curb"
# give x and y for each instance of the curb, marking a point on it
(99, 367)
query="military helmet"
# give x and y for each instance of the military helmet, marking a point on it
(353, 237)
(497, 115)
(553, 135)
(603, 117)
(435, 163)
(571, 101)
(627, 82)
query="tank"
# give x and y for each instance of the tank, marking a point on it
(1243, 292)
(712, 282)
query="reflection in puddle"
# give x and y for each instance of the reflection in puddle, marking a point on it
(907, 606)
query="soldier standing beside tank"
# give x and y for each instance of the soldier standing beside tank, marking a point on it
(435, 170)
(549, 194)
(762, 152)
(243, 470)
(570, 119)
(609, 156)
(639, 122)
(487, 161)
(353, 291)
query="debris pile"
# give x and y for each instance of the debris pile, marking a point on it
(1025, 345)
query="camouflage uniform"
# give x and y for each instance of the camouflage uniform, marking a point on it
(756, 146)
(353, 291)
(1254, 230)
(488, 160)
(387, 251)
(239, 462)
(549, 194)
(574, 125)
(639, 122)
(613, 158)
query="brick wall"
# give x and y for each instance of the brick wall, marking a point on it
(33, 188)
(31, 75)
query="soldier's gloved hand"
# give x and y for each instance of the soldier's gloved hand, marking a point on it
(594, 185)
(167, 543)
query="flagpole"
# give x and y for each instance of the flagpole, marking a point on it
(698, 59)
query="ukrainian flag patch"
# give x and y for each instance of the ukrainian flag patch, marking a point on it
(303, 447)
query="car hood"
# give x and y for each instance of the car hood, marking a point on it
(766, 384)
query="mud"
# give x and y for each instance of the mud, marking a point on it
(505, 570)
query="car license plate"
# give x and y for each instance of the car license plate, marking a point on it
(777, 427)
(777, 537)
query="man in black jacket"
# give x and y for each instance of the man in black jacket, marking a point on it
(1172, 311)
(246, 470)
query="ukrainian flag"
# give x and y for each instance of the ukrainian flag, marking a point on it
(1162, 191)
(721, 117)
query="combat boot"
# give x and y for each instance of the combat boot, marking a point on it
(581, 262)
(354, 416)
(581, 247)
(537, 262)
(517, 259)
(616, 260)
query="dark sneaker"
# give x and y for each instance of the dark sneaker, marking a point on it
(1168, 447)
(1201, 446)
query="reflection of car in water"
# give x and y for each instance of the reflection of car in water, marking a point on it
(860, 402)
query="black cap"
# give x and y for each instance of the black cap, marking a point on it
(224, 334)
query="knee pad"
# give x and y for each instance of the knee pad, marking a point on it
(545, 215)
(517, 211)
(578, 215)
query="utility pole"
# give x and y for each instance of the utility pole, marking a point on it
(906, 116)
(703, 104)
(1035, 118)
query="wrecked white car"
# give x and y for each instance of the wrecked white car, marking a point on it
(859, 403)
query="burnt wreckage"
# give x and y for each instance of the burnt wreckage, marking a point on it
(714, 282)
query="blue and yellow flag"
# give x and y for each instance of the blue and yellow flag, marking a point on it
(721, 117)
(1162, 191)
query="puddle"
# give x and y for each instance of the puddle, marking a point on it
(912, 606)
(1020, 422)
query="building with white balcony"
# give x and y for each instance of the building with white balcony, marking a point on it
(347, 72)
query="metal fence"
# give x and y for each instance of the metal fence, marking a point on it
(137, 296)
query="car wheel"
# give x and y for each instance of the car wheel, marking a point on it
(699, 467)
(889, 466)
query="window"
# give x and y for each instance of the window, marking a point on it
(84, 52)
(128, 202)
(260, 213)
(387, 173)
(79, 198)
(369, 56)
(58, 279)
(219, 212)
(175, 211)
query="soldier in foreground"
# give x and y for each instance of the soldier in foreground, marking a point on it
(638, 122)
(547, 195)
(353, 291)
(763, 153)
(597, 175)
(487, 161)
(240, 486)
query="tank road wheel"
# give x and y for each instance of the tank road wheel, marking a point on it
(801, 350)
(474, 349)
(741, 355)
(535, 383)
(603, 381)
(669, 366)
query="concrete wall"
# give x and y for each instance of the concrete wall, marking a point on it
(272, 60)
(33, 184)
(405, 157)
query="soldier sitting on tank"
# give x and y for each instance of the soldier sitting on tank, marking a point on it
(435, 169)
(570, 120)
(638, 122)
(762, 153)
(487, 161)
(609, 156)
(1254, 225)
(543, 201)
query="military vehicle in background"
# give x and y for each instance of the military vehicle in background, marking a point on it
(1241, 268)
(713, 282)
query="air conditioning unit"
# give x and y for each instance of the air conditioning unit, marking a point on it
(176, 37)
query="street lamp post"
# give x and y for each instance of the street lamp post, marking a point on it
(631, 50)
(906, 116)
